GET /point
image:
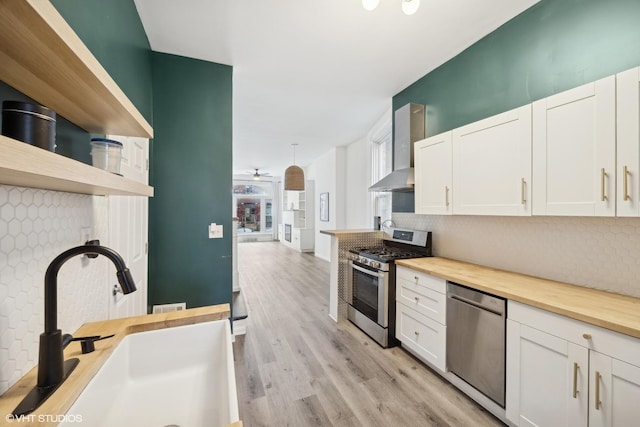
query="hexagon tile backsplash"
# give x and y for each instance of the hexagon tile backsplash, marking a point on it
(600, 253)
(36, 226)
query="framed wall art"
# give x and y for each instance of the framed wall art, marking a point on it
(324, 206)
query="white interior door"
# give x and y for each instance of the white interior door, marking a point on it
(128, 228)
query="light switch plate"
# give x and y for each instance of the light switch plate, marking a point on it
(215, 231)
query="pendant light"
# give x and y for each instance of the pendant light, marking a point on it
(294, 175)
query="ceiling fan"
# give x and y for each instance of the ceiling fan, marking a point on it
(257, 175)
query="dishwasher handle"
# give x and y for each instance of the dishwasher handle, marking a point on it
(480, 300)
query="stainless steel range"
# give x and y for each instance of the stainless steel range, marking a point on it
(372, 276)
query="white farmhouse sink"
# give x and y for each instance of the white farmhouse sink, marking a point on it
(182, 376)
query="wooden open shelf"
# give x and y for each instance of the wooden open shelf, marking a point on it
(27, 166)
(44, 58)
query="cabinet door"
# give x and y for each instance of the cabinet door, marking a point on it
(614, 392)
(433, 161)
(424, 337)
(547, 379)
(628, 143)
(574, 145)
(492, 165)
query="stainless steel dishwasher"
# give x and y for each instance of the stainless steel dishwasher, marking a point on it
(476, 325)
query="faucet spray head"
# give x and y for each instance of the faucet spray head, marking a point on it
(127, 283)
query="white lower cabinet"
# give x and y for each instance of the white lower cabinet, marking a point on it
(303, 239)
(540, 379)
(614, 390)
(571, 374)
(420, 316)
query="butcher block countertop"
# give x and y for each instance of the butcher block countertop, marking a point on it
(341, 232)
(616, 312)
(62, 399)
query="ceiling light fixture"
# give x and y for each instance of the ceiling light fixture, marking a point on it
(409, 7)
(370, 4)
(294, 175)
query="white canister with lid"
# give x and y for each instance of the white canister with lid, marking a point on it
(106, 154)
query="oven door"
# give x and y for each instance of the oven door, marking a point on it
(370, 292)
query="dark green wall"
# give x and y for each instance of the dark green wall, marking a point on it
(552, 47)
(188, 103)
(113, 32)
(191, 173)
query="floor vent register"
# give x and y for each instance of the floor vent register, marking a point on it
(165, 308)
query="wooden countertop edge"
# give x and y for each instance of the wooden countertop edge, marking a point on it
(63, 398)
(341, 232)
(608, 310)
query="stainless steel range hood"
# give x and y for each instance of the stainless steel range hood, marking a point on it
(408, 128)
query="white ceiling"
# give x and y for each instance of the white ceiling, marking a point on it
(317, 73)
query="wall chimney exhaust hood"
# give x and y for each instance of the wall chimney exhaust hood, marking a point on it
(408, 128)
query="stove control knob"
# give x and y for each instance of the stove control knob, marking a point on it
(364, 261)
(375, 264)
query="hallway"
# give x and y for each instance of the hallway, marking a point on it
(296, 367)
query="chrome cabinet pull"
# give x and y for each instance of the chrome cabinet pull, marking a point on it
(417, 333)
(603, 175)
(575, 379)
(523, 191)
(625, 173)
(446, 195)
(417, 299)
(586, 336)
(598, 402)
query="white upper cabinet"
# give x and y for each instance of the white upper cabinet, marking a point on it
(433, 189)
(574, 148)
(492, 165)
(628, 157)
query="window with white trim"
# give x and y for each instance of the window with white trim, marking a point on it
(381, 166)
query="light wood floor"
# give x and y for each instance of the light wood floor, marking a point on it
(297, 367)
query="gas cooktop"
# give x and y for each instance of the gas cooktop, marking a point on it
(399, 244)
(386, 253)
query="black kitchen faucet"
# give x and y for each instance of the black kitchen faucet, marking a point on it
(52, 368)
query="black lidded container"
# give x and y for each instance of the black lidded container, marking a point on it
(30, 123)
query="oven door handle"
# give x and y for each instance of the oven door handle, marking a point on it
(369, 272)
